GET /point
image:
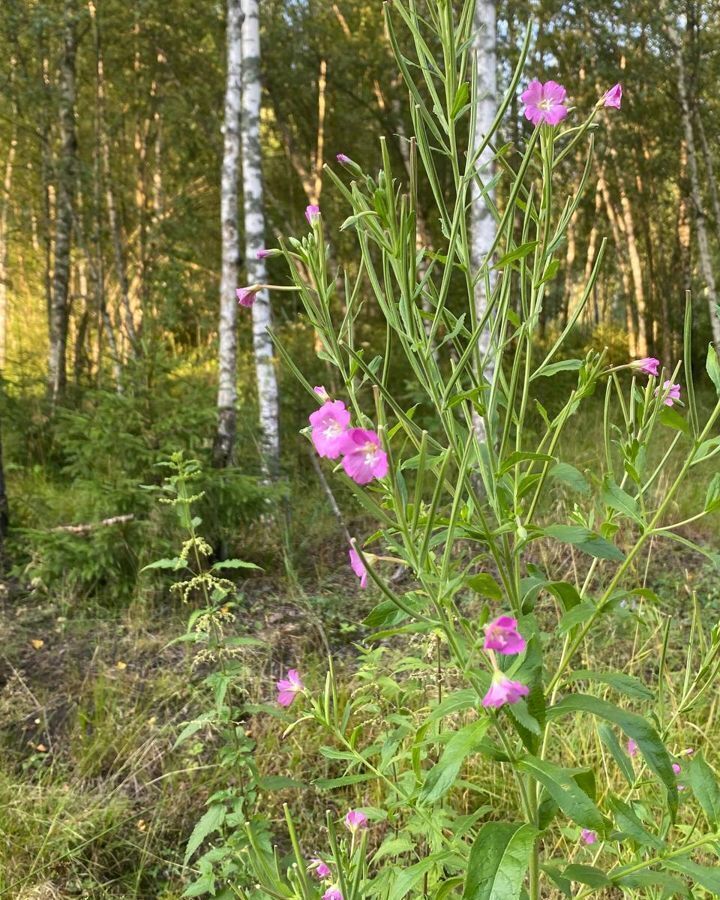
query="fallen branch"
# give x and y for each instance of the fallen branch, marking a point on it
(88, 527)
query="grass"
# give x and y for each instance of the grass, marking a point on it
(95, 800)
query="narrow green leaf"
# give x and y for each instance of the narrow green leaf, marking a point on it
(485, 585)
(627, 821)
(443, 774)
(210, 822)
(518, 253)
(704, 784)
(618, 681)
(707, 876)
(570, 476)
(635, 727)
(712, 366)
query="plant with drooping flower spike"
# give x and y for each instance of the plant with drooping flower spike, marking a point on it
(465, 475)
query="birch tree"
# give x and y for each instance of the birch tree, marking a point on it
(706, 266)
(482, 221)
(227, 331)
(254, 217)
(67, 165)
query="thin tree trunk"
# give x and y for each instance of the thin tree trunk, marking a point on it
(709, 171)
(482, 222)
(636, 268)
(267, 389)
(618, 239)
(113, 216)
(60, 305)
(227, 332)
(696, 195)
(4, 215)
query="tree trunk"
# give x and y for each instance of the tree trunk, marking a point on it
(227, 332)
(482, 222)
(4, 214)
(60, 303)
(267, 389)
(697, 199)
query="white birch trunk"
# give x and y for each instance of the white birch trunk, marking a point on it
(482, 222)
(267, 389)
(697, 199)
(59, 306)
(227, 331)
(4, 215)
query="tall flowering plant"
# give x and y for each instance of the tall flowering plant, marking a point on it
(462, 504)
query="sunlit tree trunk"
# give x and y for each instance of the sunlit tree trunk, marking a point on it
(4, 215)
(267, 389)
(227, 331)
(482, 222)
(66, 169)
(706, 266)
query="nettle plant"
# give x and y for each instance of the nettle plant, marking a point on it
(464, 505)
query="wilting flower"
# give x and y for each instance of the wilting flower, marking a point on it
(329, 426)
(332, 893)
(289, 687)
(312, 213)
(613, 97)
(322, 393)
(320, 868)
(355, 820)
(503, 690)
(263, 253)
(648, 364)
(358, 567)
(364, 457)
(544, 102)
(632, 747)
(588, 837)
(502, 635)
(676, 768)
(673, 392)
(246, 295)
(341, 158)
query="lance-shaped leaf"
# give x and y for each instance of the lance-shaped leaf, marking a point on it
(499, 860)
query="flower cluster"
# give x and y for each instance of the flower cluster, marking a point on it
(502, 636)
(332, 436)
(355, 821)
(649, 365)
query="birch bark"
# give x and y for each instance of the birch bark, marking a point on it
(267, 389)
(482, 223)
(67, 164)
(227, 331)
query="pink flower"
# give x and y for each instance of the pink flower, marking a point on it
(364, 458)
(503, 690)
(588, 837)
(355, 820)
(676, 768)
(262, 253)
(688, 751)
(502, 635)
(329, 427)
(613, 97)
(312, 213)
(322, 393)
(332, 893)
(320, 868)
(545, 102)
(341, 158)
(632, 747)
(289, 687)
(648, 364)
(246, 295)
(358, 567)
(673, 392)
